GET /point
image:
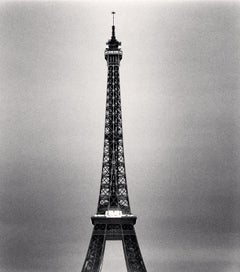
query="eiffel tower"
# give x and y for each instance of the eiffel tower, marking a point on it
(113, 220)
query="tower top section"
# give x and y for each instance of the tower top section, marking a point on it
(113, 44)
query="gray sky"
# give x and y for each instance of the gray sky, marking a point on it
(180, 101)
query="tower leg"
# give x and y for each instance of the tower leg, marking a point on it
(93, 260)
(133, 256)
(124, 232)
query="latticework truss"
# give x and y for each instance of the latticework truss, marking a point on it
(113, 195)
(113, 190)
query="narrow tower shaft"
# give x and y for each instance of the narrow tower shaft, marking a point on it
(113, 190)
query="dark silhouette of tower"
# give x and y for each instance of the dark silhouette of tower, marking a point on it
(113, 220)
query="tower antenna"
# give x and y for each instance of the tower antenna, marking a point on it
(113, 12)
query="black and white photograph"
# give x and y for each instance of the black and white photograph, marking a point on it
(120, 136)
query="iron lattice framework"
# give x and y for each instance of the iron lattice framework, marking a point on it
(113, 191)
(113, 220)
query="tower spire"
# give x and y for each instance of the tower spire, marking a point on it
(113, 43)
(113, 26)
(113, 13)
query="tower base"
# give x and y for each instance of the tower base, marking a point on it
(114, 228)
